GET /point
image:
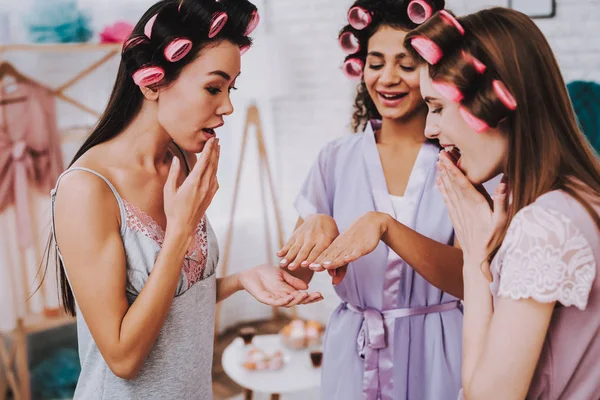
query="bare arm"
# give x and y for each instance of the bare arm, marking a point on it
(440, 264)
(94, 256)
(228, 286)
(501, 346)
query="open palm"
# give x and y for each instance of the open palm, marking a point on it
(275, 287)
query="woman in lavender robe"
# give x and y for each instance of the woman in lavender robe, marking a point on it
(531, 255)
(397, 333)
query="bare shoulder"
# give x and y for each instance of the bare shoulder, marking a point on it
(85, 204)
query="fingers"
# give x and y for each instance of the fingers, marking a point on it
(317, 265)
(313, 298)
(333, 253)
(449, 205)
(315, 252)
(291, 254)
(294, 282)
(344, 252)
(210, 172)
(307, 298)
(302, 254)
(353, 256)
(447, 182)
(202, 162)
(500, 212)
(339, 261)
(284, 250)
(171, 183)
(299, 297)
(455, 175)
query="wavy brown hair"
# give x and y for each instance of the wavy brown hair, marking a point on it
(547, 151)
(392, 13)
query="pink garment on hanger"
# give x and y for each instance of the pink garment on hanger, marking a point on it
(30, 151)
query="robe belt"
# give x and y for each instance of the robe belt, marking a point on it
(378, 373)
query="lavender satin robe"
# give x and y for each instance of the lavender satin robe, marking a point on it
(412, 357)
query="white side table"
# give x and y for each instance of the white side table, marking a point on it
(297, 374)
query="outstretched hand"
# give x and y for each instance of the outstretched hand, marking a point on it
(275, 287)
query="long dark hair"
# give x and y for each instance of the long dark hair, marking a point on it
(392, 13)
(192, 20)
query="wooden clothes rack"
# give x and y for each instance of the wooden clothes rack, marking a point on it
(13, 353)
(110, 51)
(253, 119)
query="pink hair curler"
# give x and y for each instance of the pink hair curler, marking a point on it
(353, 68)
(448, 90)
(449, 18)
(419, 11)
(349, 43)
(177, 49)
(244, 49)
(427, 49)
(504, 95)
(253, 23)
(218, 22)
(359, 18)
(149, 26)
(479, 66)
(148, 76)
(133, 41)
(475, 123)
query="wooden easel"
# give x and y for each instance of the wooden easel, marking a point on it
(13, 357)
(253, 119)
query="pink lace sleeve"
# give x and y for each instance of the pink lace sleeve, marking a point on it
(546, 258)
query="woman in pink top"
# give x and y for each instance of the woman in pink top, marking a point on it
(498, 105)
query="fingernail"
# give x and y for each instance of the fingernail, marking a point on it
(304, 263)
(175, 161)
(327, 263)
(346, 256)
(283, 262)
(292, 265)
(313, 265)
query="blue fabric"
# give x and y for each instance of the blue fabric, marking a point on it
(56, 377)
(58, 21)
(585, 97)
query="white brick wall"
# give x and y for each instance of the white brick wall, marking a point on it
(318, 108)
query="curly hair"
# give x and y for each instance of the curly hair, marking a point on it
(392, 13)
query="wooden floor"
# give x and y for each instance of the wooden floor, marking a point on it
(223, 387)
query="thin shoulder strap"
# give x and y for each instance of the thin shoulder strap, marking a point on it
(110, 185)
(184, 156)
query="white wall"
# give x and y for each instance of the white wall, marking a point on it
(297, 60)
